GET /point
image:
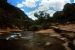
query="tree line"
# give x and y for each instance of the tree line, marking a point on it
(11, 16)
(67, 15)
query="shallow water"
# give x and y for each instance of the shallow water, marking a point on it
(27, 41)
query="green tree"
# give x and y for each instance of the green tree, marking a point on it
(43, 19)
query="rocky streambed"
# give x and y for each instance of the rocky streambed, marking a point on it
(29, 40)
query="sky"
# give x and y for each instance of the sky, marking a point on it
(31, 6)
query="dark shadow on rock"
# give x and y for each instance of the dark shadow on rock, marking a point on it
(11, 16)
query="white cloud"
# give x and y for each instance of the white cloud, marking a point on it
(22, 9)
(31, 14)
(28, 3)
(74, 1)
(48, 1)
(56, 4)
(20, 5)
(37, 0)
(50, 6)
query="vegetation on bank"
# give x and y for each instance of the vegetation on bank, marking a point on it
(66, 16)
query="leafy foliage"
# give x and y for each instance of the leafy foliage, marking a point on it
(43, 19)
